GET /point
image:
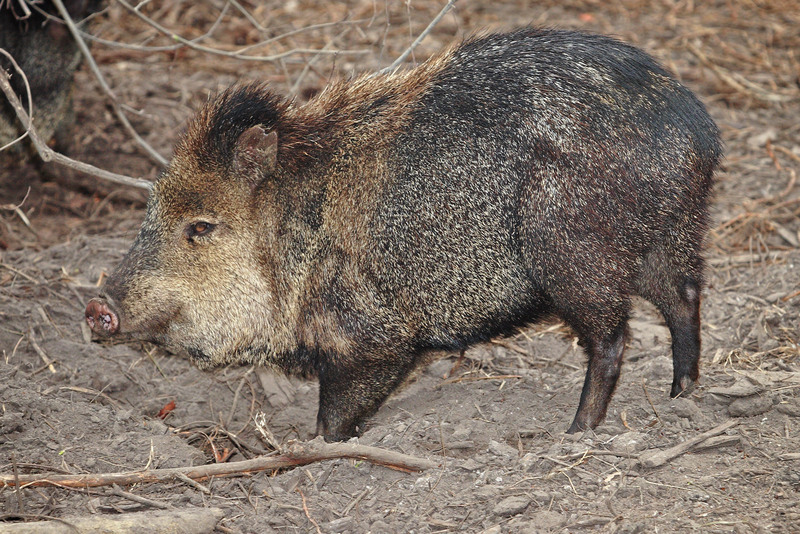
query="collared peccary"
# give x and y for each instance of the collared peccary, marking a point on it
(48, 55)
(514, 176)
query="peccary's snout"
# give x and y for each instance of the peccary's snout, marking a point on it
(101, 318)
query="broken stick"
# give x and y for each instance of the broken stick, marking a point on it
(298, 453)
(192, 520)
(659, 458)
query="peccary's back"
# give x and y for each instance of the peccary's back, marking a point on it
(530, 153)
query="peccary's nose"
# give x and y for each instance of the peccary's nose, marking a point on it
(101, 318)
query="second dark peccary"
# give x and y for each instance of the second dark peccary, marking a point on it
(512, 177)
(48, 55)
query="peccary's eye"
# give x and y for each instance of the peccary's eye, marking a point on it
(198, 229)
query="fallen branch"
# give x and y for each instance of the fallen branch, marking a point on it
(718, 442)
(659, 458)
(48, 154)
(298, 453)
(193, 520)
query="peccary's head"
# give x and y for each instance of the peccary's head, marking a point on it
(195, 277)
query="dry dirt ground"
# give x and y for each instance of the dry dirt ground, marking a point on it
(496, 424)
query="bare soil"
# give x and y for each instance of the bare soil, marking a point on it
(496, 422)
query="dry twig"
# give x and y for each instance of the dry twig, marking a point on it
(650, 402)
(477, 379)
(739, 83)
(192, 483)
(299, 453)
(396, 63)
(27, 92)
(231, 54)
(119, 492)
(48, 154)
(20, 273)
(42, 354)
(652, 459)
(93, 66)
(305, 509)
(20, 506)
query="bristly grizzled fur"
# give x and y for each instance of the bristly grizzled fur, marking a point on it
(517, 175)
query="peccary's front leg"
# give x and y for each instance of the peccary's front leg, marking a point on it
(350, 391)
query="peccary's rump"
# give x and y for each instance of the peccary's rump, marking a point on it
(514, 176)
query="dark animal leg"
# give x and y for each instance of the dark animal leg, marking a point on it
(677, 296)
(683, 321)
(605, 360)
(351, 392)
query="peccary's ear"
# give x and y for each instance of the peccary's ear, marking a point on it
(256, 154)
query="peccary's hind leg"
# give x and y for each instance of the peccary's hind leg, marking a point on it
(349, 392)
(683, 320)
(605, 359)
(591, 292)
(664, 282)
